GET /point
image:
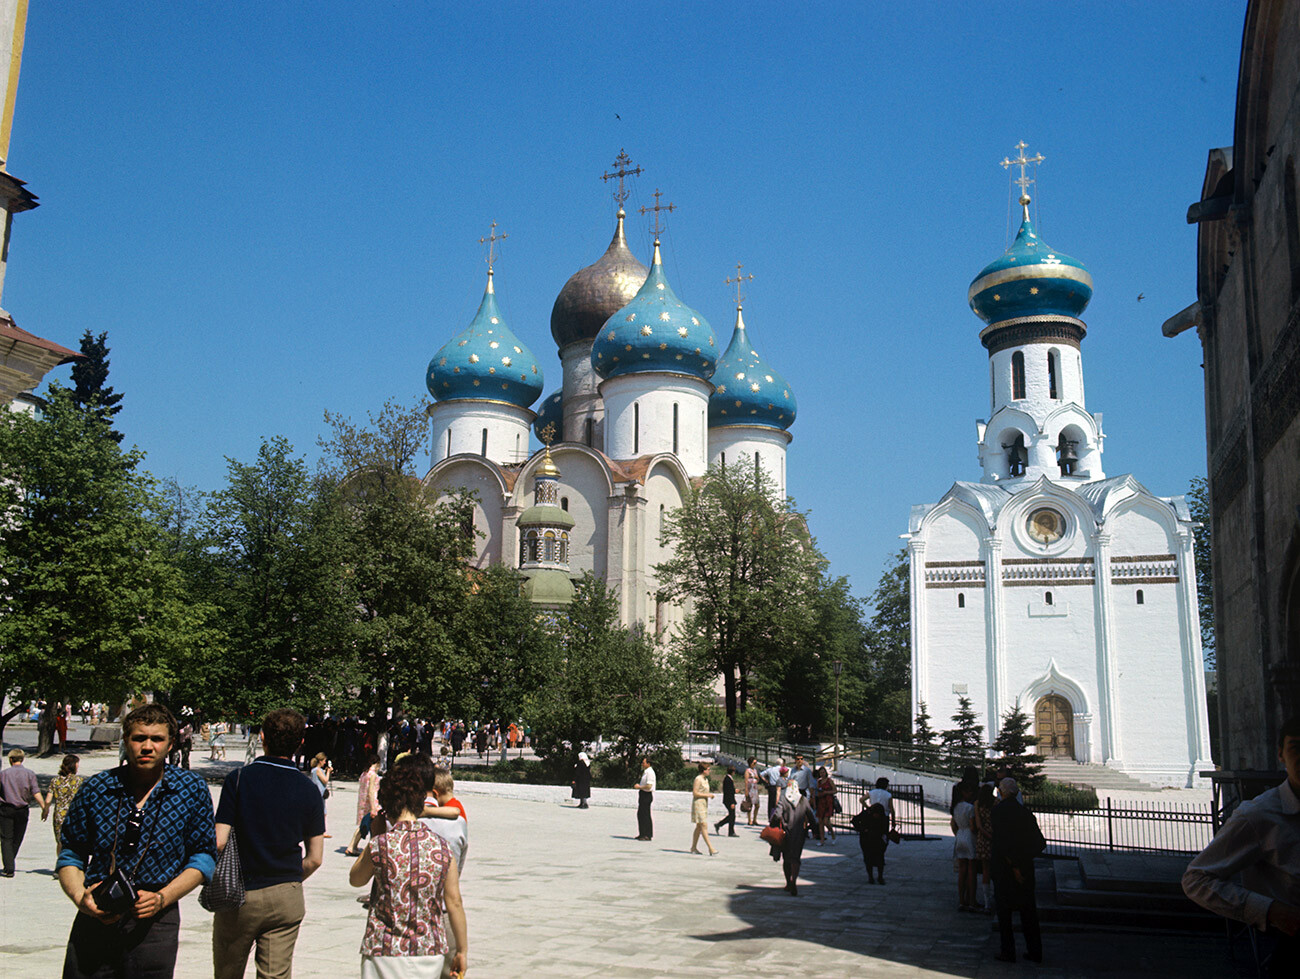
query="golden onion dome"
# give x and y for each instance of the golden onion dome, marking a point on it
(594, 294)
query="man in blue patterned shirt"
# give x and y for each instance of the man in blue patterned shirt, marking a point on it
(152, 822)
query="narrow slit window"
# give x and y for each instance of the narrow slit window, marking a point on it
(591, 434)
(961, 600)
(674, 429)
(1018, 376)
(1140, 597)
(636, 429)
(1053, 358)
(1047, 598)
(449, 441)
(483, 450)
(564, 504)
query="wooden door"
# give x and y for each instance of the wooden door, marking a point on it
(1054, 725)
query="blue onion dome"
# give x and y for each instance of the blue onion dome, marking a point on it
(550, 412)
(594, 294)
(1030, 279)
(656, 332)
(747, 390)
(486, 361)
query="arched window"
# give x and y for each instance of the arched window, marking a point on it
(1047, 598)
(1017, 376)
(661, 616)
(448, 441)
(516, 445)
(724, 461)
(758, 464)
(550, 551)
(591, 433)
(961, 600)
(1140, 597)
(674, 428)
(636, 428)
(1053, 364)
(483, 451)
(662, 515)
(564, 504)
(564, 548)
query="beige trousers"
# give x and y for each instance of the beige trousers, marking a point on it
(269, 918)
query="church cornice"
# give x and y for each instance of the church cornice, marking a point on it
(1032, 329)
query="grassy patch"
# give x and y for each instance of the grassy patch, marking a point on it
(1054, 795)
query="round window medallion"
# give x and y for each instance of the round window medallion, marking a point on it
(1046, 525)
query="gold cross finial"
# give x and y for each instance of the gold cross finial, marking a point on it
(622, 168)
(547, 434)
(658, 229)
(1022, 161)
(739, 280)
(491, 240)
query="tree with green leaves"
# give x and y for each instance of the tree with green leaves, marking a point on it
(889, 651)
(922, 733)
(94, 606)
(1015, 745)
(270, 554)
(602, 680)
(964, 741)
(91, 391)
(745, 564)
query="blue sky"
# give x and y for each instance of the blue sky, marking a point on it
(274, 209)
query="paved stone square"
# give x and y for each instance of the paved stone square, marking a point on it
(555, 891)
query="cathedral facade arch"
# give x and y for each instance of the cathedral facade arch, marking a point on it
(1041, 694)
(491, 491)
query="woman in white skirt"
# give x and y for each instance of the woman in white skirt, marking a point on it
(415, 876)
(963, 847)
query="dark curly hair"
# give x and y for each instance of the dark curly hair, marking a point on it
(402, 790)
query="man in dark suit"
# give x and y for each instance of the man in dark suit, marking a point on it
(728, 804)
(1017, 840)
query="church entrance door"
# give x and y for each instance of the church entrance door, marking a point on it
(1054, 726)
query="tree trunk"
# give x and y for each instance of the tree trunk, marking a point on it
(729, 692)
(744, 689)
(8, 716)
(45, 731)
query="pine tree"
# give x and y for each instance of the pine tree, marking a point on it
(1015, 745)
(922, 733)
(965, 741)
(89, 377)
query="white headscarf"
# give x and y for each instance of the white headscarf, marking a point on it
(582, 757)
(792, 792)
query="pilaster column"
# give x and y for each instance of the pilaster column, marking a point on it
(920, 647)
(1189, 624)
(1108, 709)
(995, 635)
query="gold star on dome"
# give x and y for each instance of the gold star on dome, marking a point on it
(1033, 290)
(664, 316)
(442, 362)
(737, 403)
(740, 375)
(722, 389)
(611, 335)
(493, 344)
(462, 343)
(646, 331)
(663, 346)
(473, 358)
(682, 331)
(518, 350)
(768, 377)
(495, 321)
(659, 285)
(455, 370)
(492, 370)
(753, 386)
(506, 361)
(627, 346)
(534, 368)
(630, 318)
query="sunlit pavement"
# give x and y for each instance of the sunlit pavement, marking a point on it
(551, 890)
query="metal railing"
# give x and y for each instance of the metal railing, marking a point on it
(908, 800)
(767, 752)
(1150, 827)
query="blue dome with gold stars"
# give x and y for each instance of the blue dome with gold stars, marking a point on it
(486, 361)
(550, 412)
(655, 333)
(747, 390)
(1030, 279)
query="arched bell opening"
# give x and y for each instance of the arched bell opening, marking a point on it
(1071, 445)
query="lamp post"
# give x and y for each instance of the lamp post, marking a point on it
(838, 667)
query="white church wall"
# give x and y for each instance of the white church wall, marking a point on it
(488, 524)
(731, 443)
(585, 485)
(663, 496)
(955, 641)
(1140, 530)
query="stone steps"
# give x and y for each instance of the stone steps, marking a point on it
(1097, 776)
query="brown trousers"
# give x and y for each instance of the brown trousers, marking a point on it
(269, 919)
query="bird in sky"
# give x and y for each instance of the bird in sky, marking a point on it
(1141, 296)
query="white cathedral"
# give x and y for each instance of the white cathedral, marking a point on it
(647, 404)
(1048, 583)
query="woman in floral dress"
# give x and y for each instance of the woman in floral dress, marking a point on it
(415, 877)
(367, 802)
(751, 789)
(63, 788)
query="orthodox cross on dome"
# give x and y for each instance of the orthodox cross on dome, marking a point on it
(622, 168)
(491, 240)
(1022, 161)
(739, 280)
(547, 434)
(658, 229)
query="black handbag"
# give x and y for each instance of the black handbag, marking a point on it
(225, 891)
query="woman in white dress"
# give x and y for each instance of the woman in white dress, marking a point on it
(963, 849)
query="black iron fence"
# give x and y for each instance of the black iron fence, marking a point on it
(909, 806)
(1151, 827)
